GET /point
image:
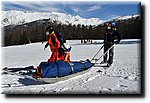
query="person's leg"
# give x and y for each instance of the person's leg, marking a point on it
(105, 56)
(62, 57)
(53, 57)
(67, 57)
(111, 54)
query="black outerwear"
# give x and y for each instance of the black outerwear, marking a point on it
(111, 35)
(109, 40)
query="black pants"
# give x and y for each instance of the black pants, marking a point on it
(111, 53)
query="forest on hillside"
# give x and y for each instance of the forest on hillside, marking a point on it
(35, 31)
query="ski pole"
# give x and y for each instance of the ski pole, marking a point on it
(104, 53)
(97, 52)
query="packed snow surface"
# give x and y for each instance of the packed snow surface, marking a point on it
(123, 77)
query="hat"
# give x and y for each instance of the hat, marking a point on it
(49, 29)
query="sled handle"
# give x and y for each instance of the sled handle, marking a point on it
(97, 52)
(104, 54)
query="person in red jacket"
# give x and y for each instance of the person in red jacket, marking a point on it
(54, 44)
(58, 46)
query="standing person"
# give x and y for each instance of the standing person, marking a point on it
(53, 42)
(56, 42)
(110, 36)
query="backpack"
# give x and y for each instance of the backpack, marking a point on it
(60, 38)
(62, 41)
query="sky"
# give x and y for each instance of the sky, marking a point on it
(85, 9)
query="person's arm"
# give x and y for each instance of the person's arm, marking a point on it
(105, 37)
(117, 34)
(46, 45)
(55, 41)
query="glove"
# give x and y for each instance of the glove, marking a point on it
(69, 49)
(46, 46)
(117, 42)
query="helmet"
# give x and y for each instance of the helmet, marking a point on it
(111, 25)
(49, 29)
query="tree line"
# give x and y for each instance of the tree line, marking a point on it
(35, 31)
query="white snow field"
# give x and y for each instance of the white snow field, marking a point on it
(123, 77)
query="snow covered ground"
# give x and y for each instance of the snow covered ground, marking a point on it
(123, 77)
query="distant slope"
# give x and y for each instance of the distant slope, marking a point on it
(14, 17)
(25, 27)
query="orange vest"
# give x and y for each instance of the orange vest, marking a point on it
(55, 44)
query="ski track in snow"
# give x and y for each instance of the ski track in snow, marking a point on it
(122, 77)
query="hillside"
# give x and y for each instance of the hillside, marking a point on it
(14, 17)
(30, 27)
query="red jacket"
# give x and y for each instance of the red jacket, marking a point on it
(53, 42)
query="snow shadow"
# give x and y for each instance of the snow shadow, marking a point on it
(28, 81)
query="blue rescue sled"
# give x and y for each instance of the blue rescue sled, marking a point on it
(61, 69)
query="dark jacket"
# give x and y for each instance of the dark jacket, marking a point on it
(112, 35)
